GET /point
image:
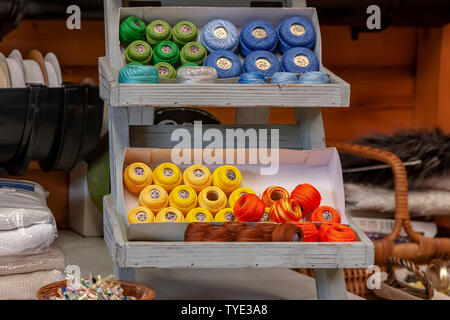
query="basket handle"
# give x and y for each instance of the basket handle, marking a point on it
(412, 267)
(400, 183)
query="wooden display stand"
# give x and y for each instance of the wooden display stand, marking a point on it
(131, 108)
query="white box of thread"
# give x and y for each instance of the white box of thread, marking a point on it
(284, 74)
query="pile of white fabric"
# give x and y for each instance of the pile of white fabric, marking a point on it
(28, 257)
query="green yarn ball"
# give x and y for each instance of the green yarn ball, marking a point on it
(131, 29)
(188, 64)
(166, 70)
(193, 52)
(139, 51)
(184, 32)
(158, 31)
(166, 51)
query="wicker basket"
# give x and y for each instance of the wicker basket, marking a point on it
(130, 289)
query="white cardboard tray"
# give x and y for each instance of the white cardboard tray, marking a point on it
(320, 168)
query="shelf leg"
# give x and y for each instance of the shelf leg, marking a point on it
(124, 274)
(330, 284)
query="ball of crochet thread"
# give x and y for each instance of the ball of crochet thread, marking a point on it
(258, 35)
(219, 34)
(131, 29)
(263, 62)
(299, 60)
(296, 32)
(138, 74)
(226, 63)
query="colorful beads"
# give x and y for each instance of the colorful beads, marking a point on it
(183, 198)
(213, 199)
(197, 176)
(169, 214)
(236, 194)
(154, 197)
(168, 176)
(199, 215)
(228, 178)
(272, 194)
(249, 208)
(140, 215)
(285, 210)
(325, 214)
(137, 176)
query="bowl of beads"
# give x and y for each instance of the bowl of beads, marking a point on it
(95, 289)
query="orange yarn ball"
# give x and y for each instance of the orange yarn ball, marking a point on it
(285, 210)
(335, 232)
(310, 231)
(325, 214)
(249, 208)
(307, 196)
(273, 194)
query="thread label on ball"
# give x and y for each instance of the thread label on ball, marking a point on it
(155, 194)
(263, 64)
(183, 194)
(229, 216)
(186, 29)
(166, 49)
(327, 215)
(168, 172)
(259, 33)
(198, 173)
(301, 60)
(200, 217)
(194, 49)
(163, 70)
(297, 29)
(141, 216)
(231, 175)
(224, 63)
(221, 33)
(171, 216)
(139, 171)
(159, 28)
(266, 217)
(139, 49)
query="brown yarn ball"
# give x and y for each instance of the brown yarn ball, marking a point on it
(287, 232)
(234, 228)
(217, 234)
(250, 234)
(194, 231)
(267, 229)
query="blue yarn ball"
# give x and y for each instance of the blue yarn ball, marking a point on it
(284, 78)
(257, 61)
(301, 56)
(252, 78)
(305, 37)
(138, 74)
(226, 63)
(213, 43)
(265, 39)
(314, 77)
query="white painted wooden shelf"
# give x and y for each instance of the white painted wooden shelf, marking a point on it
(131, 114)
(335, 94)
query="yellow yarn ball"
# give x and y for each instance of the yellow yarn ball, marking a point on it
(137, 176)
(199, 215)
(154, 197)
(228, 178)
(236, 194)
(225, 215)
(167, 175)
(197, 176)
(169, 214)
(140, 215)
(183, 198)
(213, 199)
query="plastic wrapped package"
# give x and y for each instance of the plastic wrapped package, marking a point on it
(25, 285)
(27, 225)
(28, 257)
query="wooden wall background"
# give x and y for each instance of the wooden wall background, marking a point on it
(400, 78)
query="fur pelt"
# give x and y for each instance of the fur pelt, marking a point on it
(431, 147)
